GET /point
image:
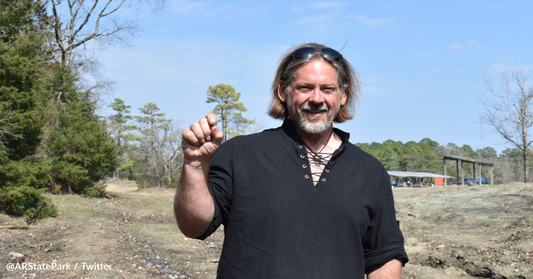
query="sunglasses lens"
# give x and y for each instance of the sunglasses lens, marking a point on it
(331, 54)
(303, 53)
(307, 52)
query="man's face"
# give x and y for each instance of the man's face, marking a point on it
(314, 97)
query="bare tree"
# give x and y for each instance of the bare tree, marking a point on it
(170, 151)
(76, 22)
(509, 110)
(161, 150)
(159, 146)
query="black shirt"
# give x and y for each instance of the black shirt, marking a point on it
(277, 224)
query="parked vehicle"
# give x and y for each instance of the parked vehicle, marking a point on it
(483, 180)
(471, 181)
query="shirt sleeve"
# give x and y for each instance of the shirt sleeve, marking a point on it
(220, 184)
(383, 240)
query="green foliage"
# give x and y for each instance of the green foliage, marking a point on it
(26, 201)
(425, 156)
(410, 156)
(22, 55)
(120, 127)
(34, 174)
(228, 109)
(82, 150)
(94, 192)
(50, 136)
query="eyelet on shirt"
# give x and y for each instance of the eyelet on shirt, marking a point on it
(327, 170)
(323, 179)
(302, 156)
(307, 176)
(300, 147)
(304, 166)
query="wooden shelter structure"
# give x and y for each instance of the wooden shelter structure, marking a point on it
(459, 163)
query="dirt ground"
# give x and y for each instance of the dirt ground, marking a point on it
(451, 232)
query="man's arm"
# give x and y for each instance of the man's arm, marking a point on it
(391, 270)
(193, 204)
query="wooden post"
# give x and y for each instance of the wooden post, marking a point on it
(445, 176)
(480, 176)
(457, 169)
(491, 176)
(462, 171)
(474, 174)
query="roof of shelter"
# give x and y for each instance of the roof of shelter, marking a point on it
(417, 174)
(465, 159)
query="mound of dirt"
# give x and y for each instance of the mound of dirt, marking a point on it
(465, 231)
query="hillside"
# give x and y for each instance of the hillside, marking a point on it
(484, 231)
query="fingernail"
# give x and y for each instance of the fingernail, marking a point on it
(202, 141)
(208, 138)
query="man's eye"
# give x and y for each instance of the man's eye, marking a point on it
(304, 89)
(328, 90)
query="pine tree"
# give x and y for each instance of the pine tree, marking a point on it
(24, 71)
(228, 109)
(120, 128)
(81, 148)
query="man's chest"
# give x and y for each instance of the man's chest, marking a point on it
(284, 192)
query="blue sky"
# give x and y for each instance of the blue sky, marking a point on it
(421, 63)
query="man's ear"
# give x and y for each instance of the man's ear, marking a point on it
(281, 93)
(344, 97)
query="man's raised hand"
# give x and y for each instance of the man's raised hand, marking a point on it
(201, 141)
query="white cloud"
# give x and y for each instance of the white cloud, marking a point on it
(467, 45)
(371, 21)
(207, 9)
(324, 5)
(446, 69)
(499, 67)
(329, 5)
(322, 21)
(375, 86)
(330, 13)
(188, 7)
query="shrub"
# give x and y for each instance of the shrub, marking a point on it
(26, 201)
(29, 173)
(94, 192)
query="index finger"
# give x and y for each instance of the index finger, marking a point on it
(211, 119)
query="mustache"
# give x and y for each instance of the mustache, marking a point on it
(315, 107)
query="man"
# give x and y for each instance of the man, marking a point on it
(298, 201)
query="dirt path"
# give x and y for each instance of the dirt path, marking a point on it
(134, 233)
(451, 232)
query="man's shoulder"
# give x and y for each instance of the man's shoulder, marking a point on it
(267, 135)
(363, 156)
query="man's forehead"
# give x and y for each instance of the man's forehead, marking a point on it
(313, 82)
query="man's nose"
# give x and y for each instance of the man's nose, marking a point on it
(316, 96)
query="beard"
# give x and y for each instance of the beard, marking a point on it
(314, 127)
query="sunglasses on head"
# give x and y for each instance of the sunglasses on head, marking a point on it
(307, 52)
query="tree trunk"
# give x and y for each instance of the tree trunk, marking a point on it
(525, 157)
